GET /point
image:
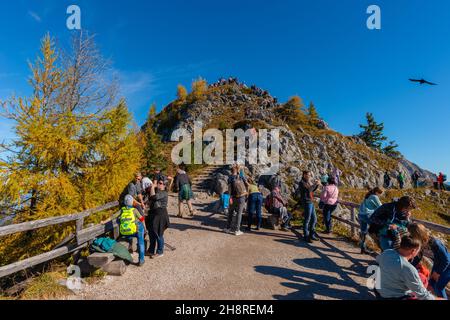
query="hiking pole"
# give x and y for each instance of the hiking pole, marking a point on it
(171, 248)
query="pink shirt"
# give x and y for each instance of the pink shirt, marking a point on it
(330, 195)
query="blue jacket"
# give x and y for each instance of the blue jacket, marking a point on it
(441, 259)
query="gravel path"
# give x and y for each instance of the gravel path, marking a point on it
(209, 264)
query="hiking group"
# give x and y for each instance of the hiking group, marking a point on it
(144, 212)
(404, 271)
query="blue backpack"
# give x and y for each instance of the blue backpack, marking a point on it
(103, 244)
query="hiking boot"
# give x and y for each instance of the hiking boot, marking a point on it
(314, 238)
(238, 233)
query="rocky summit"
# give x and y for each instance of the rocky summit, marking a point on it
(304, 145)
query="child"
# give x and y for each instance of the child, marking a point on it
(225, 201)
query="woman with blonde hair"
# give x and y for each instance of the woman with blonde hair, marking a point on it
(440, 273)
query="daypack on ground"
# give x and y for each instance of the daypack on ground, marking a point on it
(108, 245)
(127, 222)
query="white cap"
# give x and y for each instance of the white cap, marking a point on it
(146, 183)
(128, 200)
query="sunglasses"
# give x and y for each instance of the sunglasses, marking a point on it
(161, 183)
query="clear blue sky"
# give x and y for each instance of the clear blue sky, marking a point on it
(318, 49)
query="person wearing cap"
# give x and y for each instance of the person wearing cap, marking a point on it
(134, 189)
(146, 188)
(131, 225)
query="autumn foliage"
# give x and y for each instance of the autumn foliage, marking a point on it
(73, 150)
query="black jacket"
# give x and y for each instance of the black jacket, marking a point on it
(158, 218)
(305, 192)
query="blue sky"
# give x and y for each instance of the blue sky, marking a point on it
(320, 50)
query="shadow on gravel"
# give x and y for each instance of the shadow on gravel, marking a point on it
(183, 227)
(314, 281)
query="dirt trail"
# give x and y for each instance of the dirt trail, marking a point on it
(209, 264)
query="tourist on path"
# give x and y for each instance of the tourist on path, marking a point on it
(134, 189)
(131, 225)
(305, 193)
(324, 179)
(415, 179)
(254, 205)
(183, 185)
(158, 219)
(370, 204)
(387, 180)
(337, 175)
(329, 198)
(401, 180)
(238, 191)
(440, 180)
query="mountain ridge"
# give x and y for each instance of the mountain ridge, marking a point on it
(304, 145)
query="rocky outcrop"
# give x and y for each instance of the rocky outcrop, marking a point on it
(319, 151)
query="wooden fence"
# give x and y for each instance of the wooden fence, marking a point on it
(84, 235)
(354, 224)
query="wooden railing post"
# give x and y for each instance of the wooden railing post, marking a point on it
(80, 223)
(353, 217)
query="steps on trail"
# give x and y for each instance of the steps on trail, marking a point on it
(201, 182)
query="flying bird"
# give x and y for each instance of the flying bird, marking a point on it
(422, 81)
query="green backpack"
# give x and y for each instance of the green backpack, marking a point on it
(185, 192)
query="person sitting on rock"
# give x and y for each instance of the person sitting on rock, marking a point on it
(398, 278)
(279, 208)
(440, 273)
